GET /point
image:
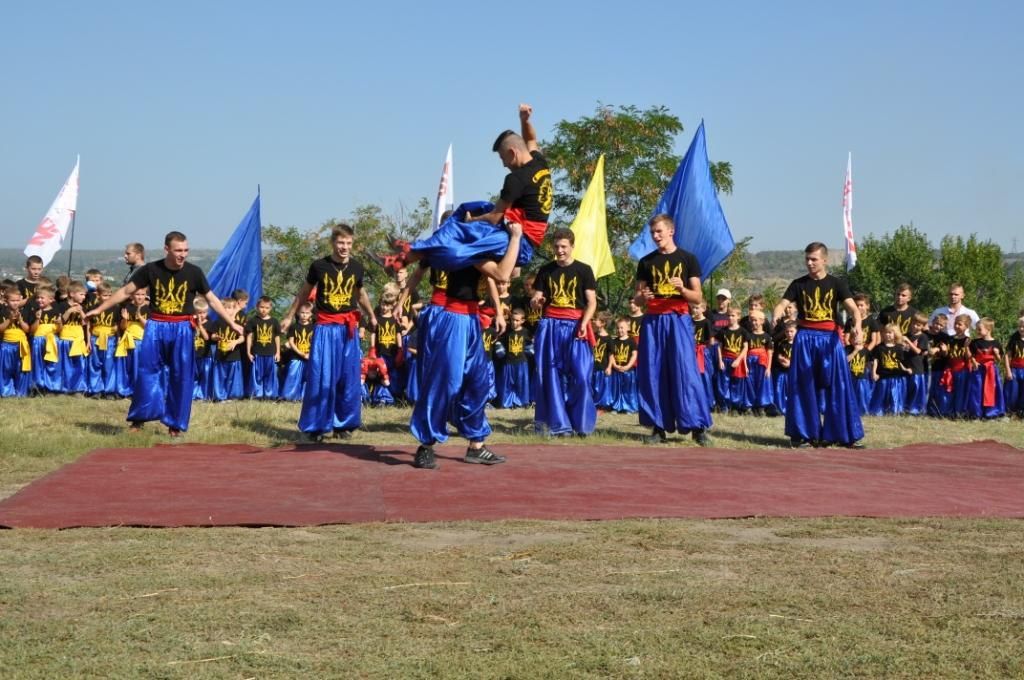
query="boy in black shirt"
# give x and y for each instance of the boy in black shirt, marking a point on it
(263, 347)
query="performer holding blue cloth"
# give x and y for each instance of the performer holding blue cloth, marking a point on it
(166, 364)
(331, 402)
(818, 363)
(669, 388)
(566, 290)
(479, 232)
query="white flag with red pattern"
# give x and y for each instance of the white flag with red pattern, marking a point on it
(445, 190)
(50, 233)
(851, 245)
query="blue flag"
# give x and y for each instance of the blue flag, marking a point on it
(240, 263)
(692, 203)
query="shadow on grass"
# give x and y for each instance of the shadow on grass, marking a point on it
(105, 429)
(763, 440)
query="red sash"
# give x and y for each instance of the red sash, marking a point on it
(533, 231)
(173, 318)
(987, 362)
(761, 353)
(667, 306)
(739, 368)
(439, 297)
(701, 366)
(570, 314)
(350, 319)
(830, 326)
(1017, 363)
(462, 306)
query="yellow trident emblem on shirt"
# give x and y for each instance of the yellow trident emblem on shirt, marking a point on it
(387, 335)
(622, 353)
(662, 285)
(488, 342)
(338, 293)
(889, 361)
(516, 344)
(818, 308)
(563, 295)
(442, 280)
(599, 349)
(264, 334)
(858, 364)
(734, 343)
(170, 299)
(302, 340)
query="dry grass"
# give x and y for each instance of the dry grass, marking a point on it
(654, 598)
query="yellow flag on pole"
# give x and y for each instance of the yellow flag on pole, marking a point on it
(591, 229)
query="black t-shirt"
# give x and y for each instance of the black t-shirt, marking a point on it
(529, 188)
(263, 332)
(532, 314)
(27, 288)
(783, 348)
(858, 362)
(732, 340)
(45, 316)
(634, 326)
(601, 352)
(438, 278)
(411, 299)
(958, 348)
(818, 300)
(462, 284)
(657, 268)
(211, 327)
(889, 360)
(74, 317)
(1015, 347)
(136, 312)
(902, 319)
(301, 335)
(227, 333)
(108, 318)
(564, 287)
(488, 339)
(171, 291)
(868, 326)
(387, 337)
(200, 345)
(621, 350)
(515, 346)
(702, 331)
(337, 285)
(918, 362)
(980, 345)
(760, 341)
(719, 320)
(940, 341)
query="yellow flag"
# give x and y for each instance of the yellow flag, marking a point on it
(591, 228)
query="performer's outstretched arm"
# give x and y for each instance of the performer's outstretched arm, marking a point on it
(215, 305)
(526, 127)
(501, 271)
(119, 296)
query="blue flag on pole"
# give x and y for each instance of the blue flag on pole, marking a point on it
(692, 203)
(240, 263)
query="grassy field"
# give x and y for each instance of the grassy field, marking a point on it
(654, 598)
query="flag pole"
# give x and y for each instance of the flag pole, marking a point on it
(71, 246)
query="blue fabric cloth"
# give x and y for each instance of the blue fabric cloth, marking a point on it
(102, 373)
(561, 380)
(691, 200)
(862, 391)
(227, 380)
(733, 392)
(45, 374)
(377, 394)
(760, 392)
(332, 398)
(602, 389)
(889, 396)
(294, 380)
(263, 378)
(456, 245)
(412, 376)
(1014, 392)
(203, 389)
(622, 386)
(72, 369)
(453, 362)
(165, 375)
(781, 390)
(974, 400)
(240, 263)
(125, 373)
(707, 378)
(13, 381)
(513, 386)
(917, 394)
(960, 399)
(940, 400)
(670, 393)
(819, 366)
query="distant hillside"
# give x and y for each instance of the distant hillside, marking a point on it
(110, 262)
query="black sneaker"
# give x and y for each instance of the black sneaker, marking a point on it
(483, 456)
(425, 458)
(342, 434)
(797, 443)
(857, 445)
(701, 437)
(314, 437)
(658, 436)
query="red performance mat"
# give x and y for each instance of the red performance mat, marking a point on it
(207, 485)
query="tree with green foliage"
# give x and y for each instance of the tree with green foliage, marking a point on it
(639, 163)
(903, 256)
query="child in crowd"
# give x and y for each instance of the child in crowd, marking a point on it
(133, 326)
(759, 392)
(986, 399)
(779, 329)
(755, 303)
(782, 357)
(376, 380)
(45, 327)
(1013, 360)
(889, 371)
(939, 400)
(870, 330)
(636, 319)
(958, 355)
(858, 358)
(917, 345)
(102, 371)
(514, 383)
(71, 341)
(202, 350)
(733, 343)
(599, 381)
(15, 350)
(263, 349)
(621, 373)
(386, 341)
(492, 349)
(227, 364)
(300, 338)
(93, 279)
(704, 342)
(409, 362)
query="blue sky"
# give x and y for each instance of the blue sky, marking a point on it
(180, 109)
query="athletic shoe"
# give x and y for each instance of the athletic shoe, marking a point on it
(701, 437)
(483, 456)
(342, 434)
(658, 436)
(314, 437)
(425, 458)
(797, 443)
(857, 445)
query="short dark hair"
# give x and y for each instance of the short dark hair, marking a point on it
(265, 298)
(173, 236)
(501, 138)
(136, 248)
(815, 246)
(563, 234)
(342, 229)
(33, 259)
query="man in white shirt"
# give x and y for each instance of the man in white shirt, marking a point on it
(954, 309)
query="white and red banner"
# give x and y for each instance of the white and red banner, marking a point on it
(445, 190)
(50, 233)
(851, 245)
